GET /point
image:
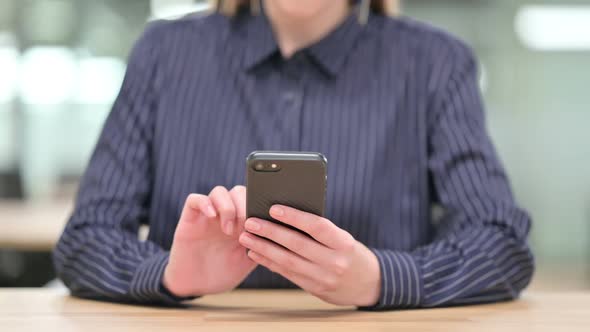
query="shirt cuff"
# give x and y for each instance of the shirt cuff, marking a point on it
(401, 281)
(147, 286)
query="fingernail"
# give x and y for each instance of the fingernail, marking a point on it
(211, 211)
(229, 227)
(245, 239)
(277, 211)
(252, 225)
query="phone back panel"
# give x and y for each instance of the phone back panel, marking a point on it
(300, 183)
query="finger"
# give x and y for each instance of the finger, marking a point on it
(305, 283)
(196, 212)
(283, 257)
(295, 241)
(321, 229)
(238, 195)
(224, 205)
(196, 204)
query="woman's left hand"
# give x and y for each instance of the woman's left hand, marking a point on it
(334, 267)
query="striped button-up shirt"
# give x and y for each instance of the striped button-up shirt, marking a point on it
(393, 104)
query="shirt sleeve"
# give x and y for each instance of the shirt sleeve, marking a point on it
(480, 251)
(99, 254)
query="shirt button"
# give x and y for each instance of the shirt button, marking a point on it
(288, 96)
(293, 72)
(291, 99)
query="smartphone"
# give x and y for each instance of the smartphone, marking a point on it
(295, 179)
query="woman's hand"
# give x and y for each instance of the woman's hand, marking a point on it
(206, 256)
(334, 267)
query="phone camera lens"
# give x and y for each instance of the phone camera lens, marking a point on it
(259, 166)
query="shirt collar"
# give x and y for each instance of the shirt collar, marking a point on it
(259, 40)
(330, 52)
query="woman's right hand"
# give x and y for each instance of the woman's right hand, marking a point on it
(206, 257)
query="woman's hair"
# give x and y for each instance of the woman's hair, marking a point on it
(231, 7)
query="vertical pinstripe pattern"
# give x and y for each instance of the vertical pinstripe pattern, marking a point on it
(395, 107)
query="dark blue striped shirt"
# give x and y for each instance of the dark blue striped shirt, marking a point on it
(393, 104)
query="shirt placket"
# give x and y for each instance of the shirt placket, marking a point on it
(291, 102)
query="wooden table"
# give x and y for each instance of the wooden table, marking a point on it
(32, 226)
(283, 311)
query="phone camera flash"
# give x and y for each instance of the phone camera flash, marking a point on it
(273, 166)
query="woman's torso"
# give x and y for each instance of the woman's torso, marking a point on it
(359, 96)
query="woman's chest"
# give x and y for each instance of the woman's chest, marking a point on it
(371, 133)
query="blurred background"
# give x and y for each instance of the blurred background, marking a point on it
(62, 63)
